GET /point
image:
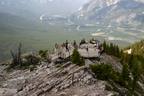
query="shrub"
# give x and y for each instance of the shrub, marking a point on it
(32, 60)
(28, 62)
(32, 68)
(125, 74)
(105, 72)
(43, 53)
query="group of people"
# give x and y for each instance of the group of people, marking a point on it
(62, 49)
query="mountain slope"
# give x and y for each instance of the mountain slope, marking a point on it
(138, 48)
(9, 22)
(35, 8)
(111, 11)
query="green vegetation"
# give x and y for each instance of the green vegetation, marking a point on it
(76, 58)
(132, 72)
(45, 56)
(105, 72)
(23, 62)
(111, 49)
(31, 60)
(138, 48)
(43, 53)
(28, 62)
(132, 67)
(125, 75)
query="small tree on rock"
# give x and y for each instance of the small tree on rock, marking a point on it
(76, 58)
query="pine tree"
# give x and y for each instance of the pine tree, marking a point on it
(130, 60)
(117, 51)
(136, 71)
(125, 74)
(104, 45)
(76, 58)
(111, 50)
(82, 62)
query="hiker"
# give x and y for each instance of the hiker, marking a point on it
(56, 45)
(66, 45)
(83, 41)
(87, 49)
(75, 44)
(49, 59)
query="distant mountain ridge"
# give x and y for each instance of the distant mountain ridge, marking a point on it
(111, 12)
(33, 8)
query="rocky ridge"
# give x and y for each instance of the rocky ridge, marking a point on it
(53, 80)
(58, 79)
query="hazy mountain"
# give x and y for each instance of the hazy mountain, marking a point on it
(111, 12)
(35, 8)
(25, 13)
(15, 24)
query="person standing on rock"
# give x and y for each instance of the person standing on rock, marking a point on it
(75, 44)
(56, 47)
(66, 45)
(87, 49)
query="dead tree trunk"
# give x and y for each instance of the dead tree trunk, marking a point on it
(19, 54)
(16, 56)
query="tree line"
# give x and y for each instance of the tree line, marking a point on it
(133, 65)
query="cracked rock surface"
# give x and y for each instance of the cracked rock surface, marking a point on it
(52, 80)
